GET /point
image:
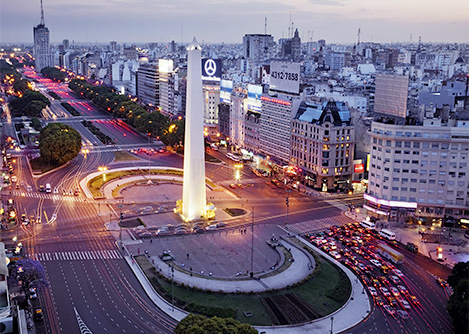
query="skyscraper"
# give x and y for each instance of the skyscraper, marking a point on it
(42, 51)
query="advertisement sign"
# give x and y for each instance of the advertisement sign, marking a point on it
(360, 168)
(211, 69)
(285, 77)
(165, 65)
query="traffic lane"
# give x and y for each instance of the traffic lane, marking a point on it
(108, 303)
(120, 132)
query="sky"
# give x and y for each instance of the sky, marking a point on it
(215, 21)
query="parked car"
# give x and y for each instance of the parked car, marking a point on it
(32, 293)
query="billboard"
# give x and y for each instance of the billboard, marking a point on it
(211, 69)
(358, 168)
(285, 77)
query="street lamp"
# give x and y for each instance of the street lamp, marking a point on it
(238, 178)
(103, 169)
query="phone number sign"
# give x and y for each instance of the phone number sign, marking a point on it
(285, 77)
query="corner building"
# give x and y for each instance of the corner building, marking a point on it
(322, 144)
(421, 169)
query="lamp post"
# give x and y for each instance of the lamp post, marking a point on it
(238, 179)
(252, 243)
(332, 323)
(172, 284)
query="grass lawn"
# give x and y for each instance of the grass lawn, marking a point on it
(313, 292)
(39, 164)
(124, 156)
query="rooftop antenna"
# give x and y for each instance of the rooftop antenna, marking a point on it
(42, 14)
(265, 26)
(410, 38)
(289, 25)
(358, 34)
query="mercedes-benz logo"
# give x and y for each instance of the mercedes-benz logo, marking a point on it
(210, 67)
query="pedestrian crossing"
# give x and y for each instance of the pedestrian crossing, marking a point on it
(77, 255)
(317, 225)
(55, 197)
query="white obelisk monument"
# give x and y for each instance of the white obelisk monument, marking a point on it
(193, 191)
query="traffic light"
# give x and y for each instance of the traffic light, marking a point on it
(286, 201)
(122, 216)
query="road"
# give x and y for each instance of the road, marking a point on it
(89, 280)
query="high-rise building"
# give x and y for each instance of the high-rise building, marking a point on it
(391, 95)
(66, 44)
(166, 87)
(258, 47)
(291, 48)
(147, 87)
(42, 52)
(335, 60)
(322, 144)
(275, 127)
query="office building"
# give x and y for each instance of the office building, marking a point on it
(166, 87)
(391, 95)
(258, 47)
(420, 170)
(147, 87)
(323, 144)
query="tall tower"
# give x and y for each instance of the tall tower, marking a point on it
(42, 51)
(193, 192)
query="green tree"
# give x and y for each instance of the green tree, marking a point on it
(59, 143)
(21, 86)
(54, 73)
(173, 133)
(36, 124)
(30, 104)
(459, 300)
(198, 324)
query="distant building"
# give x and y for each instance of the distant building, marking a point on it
(147, 87)
(391, 95)
(335, 61)
(258, 47)
(66, 44)
(323, 144)
(130, 53)
(42, 51)
(291, 48)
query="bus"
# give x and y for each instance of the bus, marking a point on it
(391, 254)
(233, 157)
(390, 235)
(368, 225)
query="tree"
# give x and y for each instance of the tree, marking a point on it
(30, 104)
(54, 73)
(31, 274)
(459, 300)
(173, 134)
(59, 143)
(36, 124)
(198, 324)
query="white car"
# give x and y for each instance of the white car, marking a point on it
(376, 263)
(394, 279)
(373, 291)
(394, 291)
(403, 314)
(405, 304)
(384, 291)
(211, 227)
(335, 255)
(402, 289)
(398, 272)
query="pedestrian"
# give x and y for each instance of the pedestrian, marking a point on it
(153, 261)
(151, 240)
(138, 250)
(188, 256)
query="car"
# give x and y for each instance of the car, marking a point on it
(384, 280)
(441, 282)
(332, 245)
(394, 279)
(335, 255)
(32, 293)
(389, 309)
(402, 289)
(394, 291)
(233, 186)
(17, 186)
(373, 291)
(404, 304)
(56, 190)
(42, 189)
(376, 283)
(38, 220)
(397, 272)
(403, 314)
(164, 231)
(198, 229)
(38, 315)
(95, 143)
(379, 301)
(362, 266)
(181, 231)
(14, 179)
(414, 300)
(29, 188)
(23, 217)
(376, 263)
(385, 291)
(211, 227)
(76, 193)
(392, 301)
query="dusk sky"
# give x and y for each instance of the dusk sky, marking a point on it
(336, 21)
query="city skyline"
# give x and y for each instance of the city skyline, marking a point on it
(163, 21)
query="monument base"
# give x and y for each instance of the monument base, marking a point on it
(209, 212)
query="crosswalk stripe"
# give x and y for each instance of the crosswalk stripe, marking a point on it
(105, 254)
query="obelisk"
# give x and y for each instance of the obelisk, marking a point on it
(193, 191)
